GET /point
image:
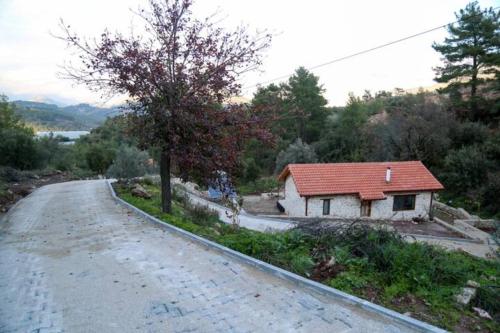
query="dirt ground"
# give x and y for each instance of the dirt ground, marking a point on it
(426, 228)
(17, 190)
(256, 204)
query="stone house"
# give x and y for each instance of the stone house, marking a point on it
(377, 190)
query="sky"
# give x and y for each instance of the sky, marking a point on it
(306, 33)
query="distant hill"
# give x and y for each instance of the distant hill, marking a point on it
(44, 116)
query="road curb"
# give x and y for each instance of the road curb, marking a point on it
(283, 274)
(452, 239)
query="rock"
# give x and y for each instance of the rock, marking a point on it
(140, 192)
(482, 313)
(331, 262)
(407, 314)
(465, 296)
(472, 284)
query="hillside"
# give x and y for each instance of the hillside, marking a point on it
(44, 116)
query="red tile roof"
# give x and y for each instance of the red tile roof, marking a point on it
(365, 179)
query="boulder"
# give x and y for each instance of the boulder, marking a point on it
(472, 284)
(465, 296)
(141, 192)
(482, 313)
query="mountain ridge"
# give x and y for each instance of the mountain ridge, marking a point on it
(46, 116)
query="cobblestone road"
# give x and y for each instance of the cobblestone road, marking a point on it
(72, 260)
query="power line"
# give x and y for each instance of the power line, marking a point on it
(361, 52)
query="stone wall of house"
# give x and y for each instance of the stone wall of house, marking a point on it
(293, 203)
(341, 206)
(349, 206)
(382, 209)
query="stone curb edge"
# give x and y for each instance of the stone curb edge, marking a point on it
(455, 229)
(454, 239)
(283, 274)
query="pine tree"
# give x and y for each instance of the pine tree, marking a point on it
(304, 96)
(471, 59)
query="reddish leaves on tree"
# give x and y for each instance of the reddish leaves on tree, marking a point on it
(179, 77)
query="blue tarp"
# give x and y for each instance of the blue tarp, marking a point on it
(221, 186)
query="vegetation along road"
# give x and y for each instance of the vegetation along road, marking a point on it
(73, 260)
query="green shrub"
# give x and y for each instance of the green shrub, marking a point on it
(251, 170)
(201, 215)
(9, 174)
(129, 162)
(468, 133)
(17, 143)
(301, 263)
(490, 191)
(179, 195)
(148, 180)
(466, 169)
(297, 152)
(18, 148)
(349, 281)
(262, 185)
(81, 173)
(487, 298)
(99, 158)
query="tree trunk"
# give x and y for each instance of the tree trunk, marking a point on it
(166, 193)
(473, 89)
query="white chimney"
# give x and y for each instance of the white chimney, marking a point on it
(388, 175)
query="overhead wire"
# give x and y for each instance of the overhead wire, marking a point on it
(361, 52)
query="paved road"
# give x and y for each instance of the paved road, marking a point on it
(72, 260)
(249, 221)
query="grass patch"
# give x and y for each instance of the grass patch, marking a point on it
(378, 265)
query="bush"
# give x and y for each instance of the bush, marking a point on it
(179, 195)
(129, 162)
(297, 152)
(148, 180)
(99, 158)
(301, 263)
(9, 174)
(262, 185)
(489, 195)
(18, 148)
(468, 133)
(487, 298)
(466, 169)
(251, 170)
(201, 215)
(349, 281)
(17, 143)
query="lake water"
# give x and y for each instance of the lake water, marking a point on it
(72, 135)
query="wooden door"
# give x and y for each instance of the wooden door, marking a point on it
(366, 208)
